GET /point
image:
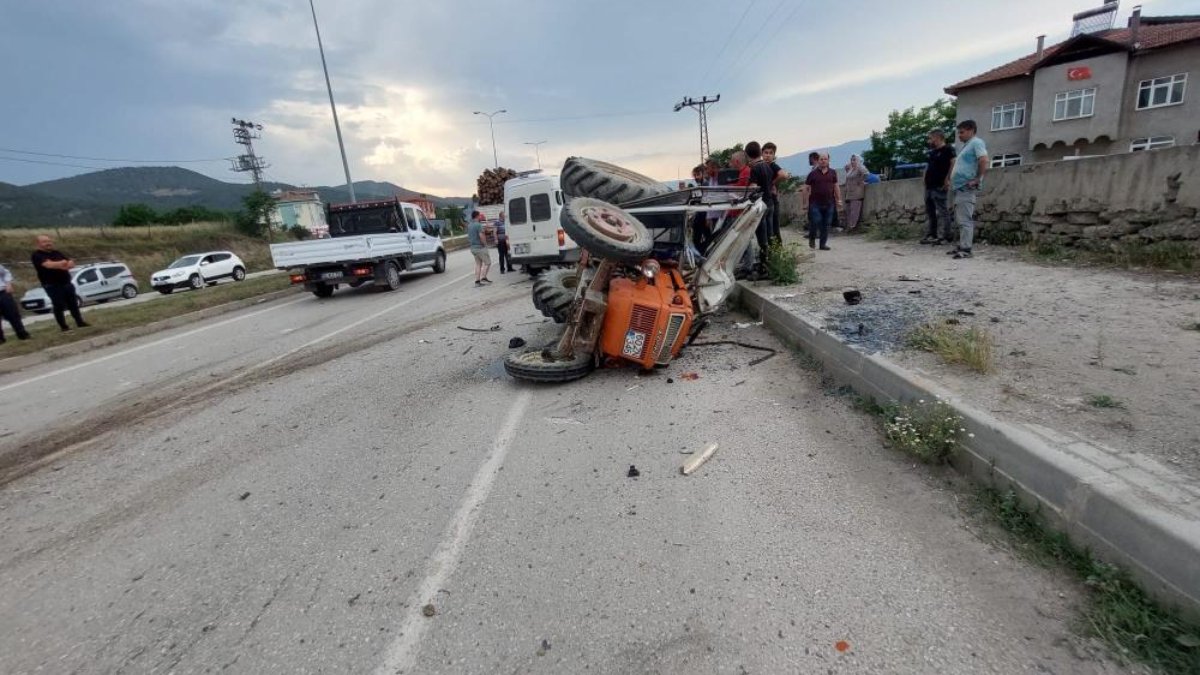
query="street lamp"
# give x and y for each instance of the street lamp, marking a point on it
(536, 151)
(490, 115)
(337, 127)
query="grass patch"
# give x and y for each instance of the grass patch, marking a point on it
(893, 232)
(971, 347)
(781, 263)
(1103, 401)
(46, 333)
(1162, 255)
(1118, 611)
(1006, 237)
(928, 432)
(145, 249)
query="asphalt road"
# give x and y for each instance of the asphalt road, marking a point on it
(287, 489)
(147, 294)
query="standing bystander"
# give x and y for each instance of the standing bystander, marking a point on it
(502, 251)
(769, 150)
(483, 259)
(8, 307)
(53, 271)
(938, 161)
(825, 196)
(967, 179)
(855, 192)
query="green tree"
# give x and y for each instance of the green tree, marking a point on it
(254, 218)
(904, 140)
(134, 215)
(722, 156)
(192, 214)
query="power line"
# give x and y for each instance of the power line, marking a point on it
(111, 159)
(708, 71)
(749, 42)
(40, 161)
(763, 44)
(582, 117)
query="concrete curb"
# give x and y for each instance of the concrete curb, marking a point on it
(16, 363)
(1127, 508)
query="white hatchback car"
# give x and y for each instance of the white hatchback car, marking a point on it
(196, 270)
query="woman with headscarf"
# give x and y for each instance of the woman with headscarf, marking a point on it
(855, 191)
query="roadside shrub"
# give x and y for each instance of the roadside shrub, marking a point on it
(893, 232)
(971, 347)
(781, 263)
(927, 431)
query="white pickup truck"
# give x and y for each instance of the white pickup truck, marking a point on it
(369, 242)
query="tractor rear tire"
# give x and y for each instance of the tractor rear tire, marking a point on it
(533, 366)
(554, 292)
(606, 231)
(581, 177)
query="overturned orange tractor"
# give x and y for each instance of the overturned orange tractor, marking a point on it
(641, 291)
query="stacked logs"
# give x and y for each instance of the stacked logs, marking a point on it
(490, 185)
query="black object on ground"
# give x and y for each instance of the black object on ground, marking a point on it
(735, 343)
(516, 342)
(493, 329)
(633, 472)
(853, 297)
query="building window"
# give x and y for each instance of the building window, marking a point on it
(1005, 160)
(1073, 104)
(1151, 143)
(1161, 91)
(1008, 116)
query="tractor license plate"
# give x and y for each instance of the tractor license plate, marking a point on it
(331, 275)
(635, 344)
(521, 249)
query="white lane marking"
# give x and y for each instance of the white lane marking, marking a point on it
(401, 654)
(356, 324)
(131, 350)
(68, 369)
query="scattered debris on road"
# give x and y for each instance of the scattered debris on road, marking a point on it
(243, 497)
(429, 610)
(735, 343)
(852, 296)
(694, 463)
(748, 324)
(467, 350)
(689, 376)
(543, 648)
(516, 343)
(493, 329)
(633, 472)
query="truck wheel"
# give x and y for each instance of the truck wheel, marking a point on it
(581, 177)
(323, 290)
(391, 275)
(535, 367)
(554, 292)
(606, 231)
(439, 262)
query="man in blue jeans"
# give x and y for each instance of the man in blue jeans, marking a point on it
(939, 161)
(966, 179)
(824, 198)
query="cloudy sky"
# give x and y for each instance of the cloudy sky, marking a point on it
(158, 80)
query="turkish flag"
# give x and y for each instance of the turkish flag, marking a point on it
(1079, 73)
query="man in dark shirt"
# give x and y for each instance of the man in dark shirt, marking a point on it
(937, 185)
(769, 151)
(53, 271)
(763, 177)
(824, 198)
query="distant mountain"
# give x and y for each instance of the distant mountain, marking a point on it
(839, 156)
(94, 198)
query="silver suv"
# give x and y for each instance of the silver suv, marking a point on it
(94, 282)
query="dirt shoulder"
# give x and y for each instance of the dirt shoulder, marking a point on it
(1063, 336)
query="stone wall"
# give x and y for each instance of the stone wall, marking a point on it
(1097, 203)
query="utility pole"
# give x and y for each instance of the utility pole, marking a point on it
(701, 106)
(244, 133)
(495, 157)
(536, 151)
(329, 87)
